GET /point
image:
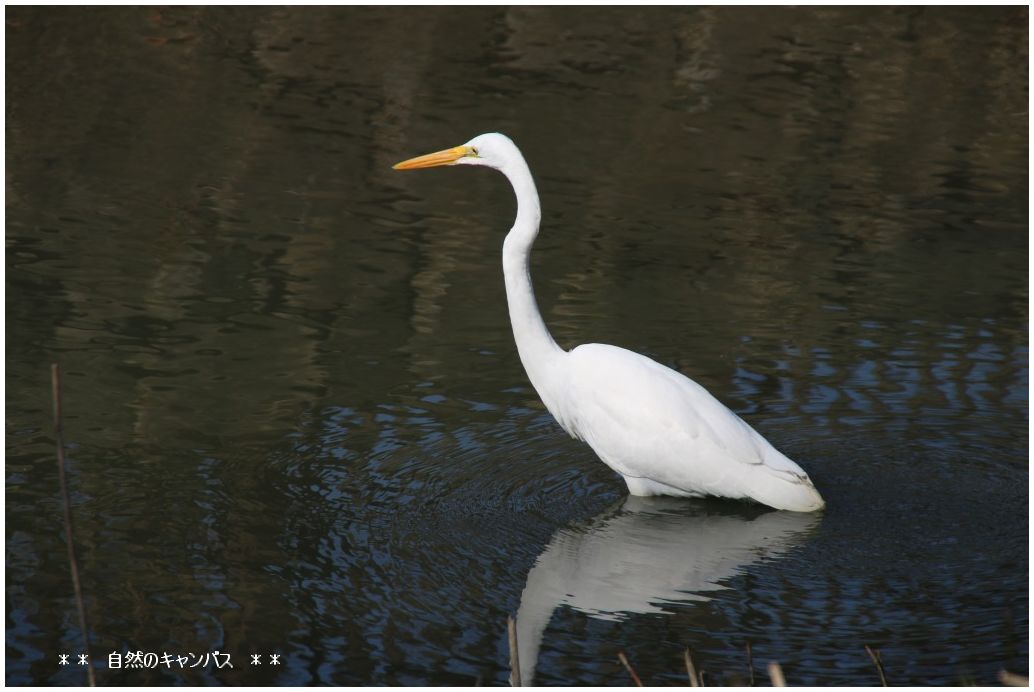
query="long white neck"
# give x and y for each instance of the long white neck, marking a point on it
(537, 349)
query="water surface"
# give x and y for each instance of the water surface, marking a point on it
(295, 418)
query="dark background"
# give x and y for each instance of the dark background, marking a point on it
(295, 418)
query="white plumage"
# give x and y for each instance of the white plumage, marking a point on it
(664, 433)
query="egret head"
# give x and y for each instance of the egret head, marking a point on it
(493, 150)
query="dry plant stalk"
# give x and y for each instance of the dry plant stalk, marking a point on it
(55, 390)
(515, 661)
(1012, 679)
(628, 667)
(694, 679)
(874, 654)
(775, 671)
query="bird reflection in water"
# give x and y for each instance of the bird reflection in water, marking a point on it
(644, 555)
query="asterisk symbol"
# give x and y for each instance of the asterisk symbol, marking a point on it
(84, 660)
(64, 659)
(274, 659)
(256, 659)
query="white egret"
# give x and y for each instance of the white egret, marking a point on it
(664, 433)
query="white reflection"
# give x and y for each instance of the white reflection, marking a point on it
(647, 553)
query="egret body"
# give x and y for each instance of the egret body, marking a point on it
(664, 433)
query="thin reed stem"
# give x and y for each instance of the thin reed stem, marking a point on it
(874, 654)
(775, 671)
(628, 667)
(55, 387)
(691, 671)
(515, 660)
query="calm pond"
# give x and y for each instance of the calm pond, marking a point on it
(295, 419)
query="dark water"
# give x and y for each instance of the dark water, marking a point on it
(295, 418)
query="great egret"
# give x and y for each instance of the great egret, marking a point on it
(664, 433)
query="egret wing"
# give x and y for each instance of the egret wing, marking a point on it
(649, 421)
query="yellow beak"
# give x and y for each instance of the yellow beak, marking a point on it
(446, 157)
